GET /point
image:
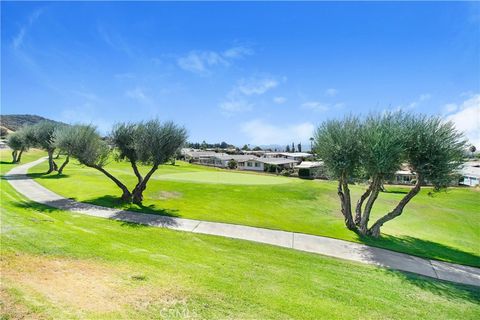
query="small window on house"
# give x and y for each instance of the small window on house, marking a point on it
(257, 164)
(249, 164)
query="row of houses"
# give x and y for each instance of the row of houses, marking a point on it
(248, 160)
(304, 165)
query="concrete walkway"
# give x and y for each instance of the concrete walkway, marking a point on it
(326, 246)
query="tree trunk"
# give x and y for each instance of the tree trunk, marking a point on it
(137, 173)
(19, 156)
(375, 229)
(137, 193)
(64, 164)
(358, 208)
(346, 207)
(376, 183)
(14, 156)
(126, 195)
(51, 163)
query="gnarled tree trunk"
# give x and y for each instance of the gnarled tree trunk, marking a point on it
(51, 164)
(345, 201)
(126, 195)
(19, 156)
(137, 193)
(375, 229)
(14, 156)
(376, 183)
(67, 159)
(358, 208)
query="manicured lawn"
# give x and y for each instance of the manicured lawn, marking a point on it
(59, 265)
(443, 226)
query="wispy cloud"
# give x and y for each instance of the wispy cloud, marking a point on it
(85, 113)
(139, 94)
(466, 116)
(279, 100)
(237, 99)
(331, 92)
(201, 62)
(415, 103)
(115, 41)
(260, 132)
(18, 39)
(318, 106)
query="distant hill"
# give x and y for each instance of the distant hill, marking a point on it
(13, 122)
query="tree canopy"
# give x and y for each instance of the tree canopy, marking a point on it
(372, 149)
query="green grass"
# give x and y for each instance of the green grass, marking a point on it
(157, 273)
(444, 226)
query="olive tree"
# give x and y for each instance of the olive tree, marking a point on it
(123, 137)
(382, 153)
(85, 144)
(434, 150)
(155, 143)
(64, 137)
(337, 144)
(18, 142)
(42, 135)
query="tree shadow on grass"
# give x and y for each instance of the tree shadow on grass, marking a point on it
(43, 175)
(127, 218)
(445, 289)
(423, 248)
(110, 201)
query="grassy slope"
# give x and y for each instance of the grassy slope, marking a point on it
(145, 272)
(444, 226)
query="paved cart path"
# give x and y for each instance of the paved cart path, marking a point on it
(18, 178)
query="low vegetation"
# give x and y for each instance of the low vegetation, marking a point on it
(58, 265)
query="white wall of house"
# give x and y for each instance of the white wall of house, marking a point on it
(470, 181)
(251, 165)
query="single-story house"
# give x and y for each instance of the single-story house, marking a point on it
(222, 160)
(470, 174)
(298, 156)
(267, 164)
(404, 176)
(311, 169)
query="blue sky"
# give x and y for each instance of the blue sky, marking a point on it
(258, 73)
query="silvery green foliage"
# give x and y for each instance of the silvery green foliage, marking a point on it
(42, 135)
(156, 142)
(433, 148)
(337, 143)
(84, 143)
(382, 139)
(123, 138)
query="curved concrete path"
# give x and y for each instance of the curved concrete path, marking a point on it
(322, 245)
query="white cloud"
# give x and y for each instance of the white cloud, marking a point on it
(201, 62)
(255, 86)
(19, 38)
(331, 92)
(467, 118)
(139, 95)
(412, 105)
(235, 105)
(85, 113)
(321, 107)
(279, 100)
(237, 52)
(115, 41)
(237, 99)
(316, 106)
(259, 132)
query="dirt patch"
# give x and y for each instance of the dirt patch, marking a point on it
(11, 309)
(85, 285)
(165, 195)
